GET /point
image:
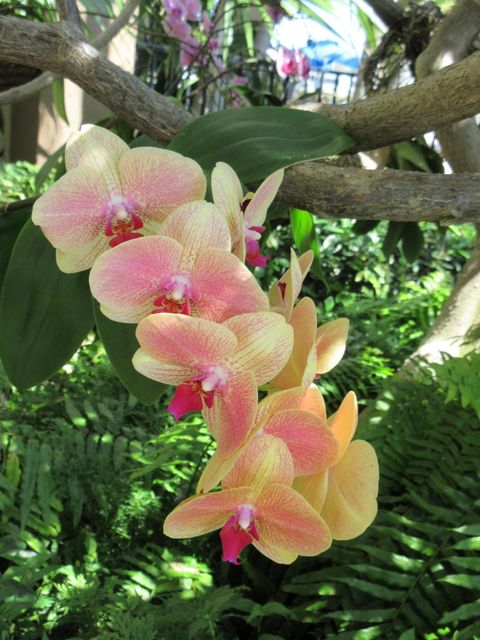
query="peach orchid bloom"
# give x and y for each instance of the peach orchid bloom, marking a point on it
(284, 292)
(216, 367)
(255, 506)
(245, 214)
(345, 494)
(188, 269)
(309, 440)
(111, 194)
(315, 350)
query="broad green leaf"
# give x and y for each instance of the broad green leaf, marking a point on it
(10, 226)
(44, 314)
(305, 238)
(145, 141)
(58, 92)
(55, 160)
(256, 141)
(412, 153)
(362, 227)
(412, 241)
(120, 344)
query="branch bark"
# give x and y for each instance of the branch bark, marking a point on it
(448, 96)
(18, 94)
(406, 196)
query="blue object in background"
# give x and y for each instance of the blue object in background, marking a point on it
(325, 53)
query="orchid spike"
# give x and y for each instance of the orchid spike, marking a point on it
(217, 366)
(284, 293)
(274, 518)
(111, 194)
(192, 273)
(346, 494)
(245, 214)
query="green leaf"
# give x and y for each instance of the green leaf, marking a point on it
(58, 92)
(412, 241)
(305, 238)
(412, 153)
(361, 227)
(120, 344)
(44, 314)
(256, 141)
(409, 634)
(10, 226)
(464, 612)
(145, 141)
(55, 160)
(394, 233)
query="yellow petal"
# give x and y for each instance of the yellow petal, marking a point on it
(344, 422)
(351, 502)
(313, 402)
(331, 343)
(313, 488)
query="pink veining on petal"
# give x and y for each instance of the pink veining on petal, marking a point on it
(238, 533)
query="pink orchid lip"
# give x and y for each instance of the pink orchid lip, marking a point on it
(175, 296)
(122, 221)
(199, 390)
(238, 532)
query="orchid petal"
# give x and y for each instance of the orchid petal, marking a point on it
(73, 262)
(309, 440)
(351, 502)
(197, 226)
(227, 195)
(126, 279)
(301, 366)
(256, 211)
(160, 180)
(313, 402)
(95, 147)
(166, 373)
(265, 342)
(70, 212)
(204, 513)
(266, 460)
(313, 489)
(278, 401)
(232, 415)
(283, 294)
(343, 423)
(331, 343)
(223, 287)
(285, 520)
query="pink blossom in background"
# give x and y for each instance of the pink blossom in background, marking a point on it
(239, 80)
(193, 9)
(175, 9)
(275, 12)
(177, 28)
(303, 64)
(286, 63)
(189, 51)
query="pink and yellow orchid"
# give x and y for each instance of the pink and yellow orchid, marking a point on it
(217, 367)
(255, 506)
(346, 493)
(111, 194)
(284, 292)
(309, 440)
(188, 269)
(245, 214)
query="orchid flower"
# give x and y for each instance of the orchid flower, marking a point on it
(315, 350)
(188, 269)
(345, 494)
(255, 506)
(111, 194)
(309, 440)
(286, 63)
(245, 214)
(217, 367)
(284, 292)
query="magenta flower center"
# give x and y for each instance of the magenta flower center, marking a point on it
(199, 391)
(122, 221)
(175, 296)
(238, 532)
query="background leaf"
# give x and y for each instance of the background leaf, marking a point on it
(10, 226)
(44, 314)
(259, 140)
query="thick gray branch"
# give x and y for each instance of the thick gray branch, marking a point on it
(445, 97)
(412, 196)
(68, 11)
(17, 94)
(57, 48)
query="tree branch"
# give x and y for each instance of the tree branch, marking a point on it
(103, 39)
(68, 11)
(388, 194)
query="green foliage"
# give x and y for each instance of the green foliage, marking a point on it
(17, 181)
(44, 313)
(258, 141)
